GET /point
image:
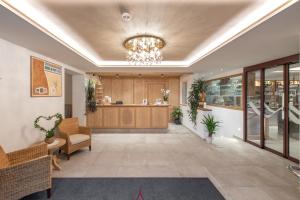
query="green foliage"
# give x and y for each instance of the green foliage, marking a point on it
(176, 113)
(198, 87)
(90, 96)
(210, 123)
(49, 133)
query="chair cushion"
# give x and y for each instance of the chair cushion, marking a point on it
(4, 162)
(77, 138)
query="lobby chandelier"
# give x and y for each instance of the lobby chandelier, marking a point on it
(144, 49)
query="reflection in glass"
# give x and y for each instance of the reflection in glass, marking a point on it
(294, 99)
(253, 106)
(225, 92)
(273, 108)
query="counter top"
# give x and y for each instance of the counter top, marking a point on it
(133, 105)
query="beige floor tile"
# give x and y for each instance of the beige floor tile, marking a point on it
(238, 170)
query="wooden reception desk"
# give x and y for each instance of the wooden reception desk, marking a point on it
(129, 116)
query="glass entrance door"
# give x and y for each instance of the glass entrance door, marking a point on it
(294, 111)
(274, 109)
(272, 106)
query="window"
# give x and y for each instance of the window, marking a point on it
(226, 92)
(184, 93)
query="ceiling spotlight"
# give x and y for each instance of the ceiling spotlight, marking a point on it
(126, 17)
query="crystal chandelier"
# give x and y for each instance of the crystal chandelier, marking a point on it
(144, 49)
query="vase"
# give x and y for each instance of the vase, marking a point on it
(165, 102)
(50, 140)
(209, 139)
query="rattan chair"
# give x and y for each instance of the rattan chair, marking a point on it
(76, 136)
(25, 172)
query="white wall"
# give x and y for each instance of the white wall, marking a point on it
(17, 109)
(78, 98)
(232, 120)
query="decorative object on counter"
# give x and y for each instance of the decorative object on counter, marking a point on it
(165, 94)
(177, 114)
(90, 96)
(197, 91)
(145, 101)
(49, 134)
(211, 125)
(107, 100)
(157, 102)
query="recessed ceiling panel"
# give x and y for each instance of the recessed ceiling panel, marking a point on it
(184, 25)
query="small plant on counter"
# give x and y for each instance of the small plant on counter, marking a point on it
(176, 115)
(90, 96)
(165, 93)
(198, 87)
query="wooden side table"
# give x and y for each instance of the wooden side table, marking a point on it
(59, 142)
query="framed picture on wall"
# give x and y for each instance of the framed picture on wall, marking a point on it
(46, 78)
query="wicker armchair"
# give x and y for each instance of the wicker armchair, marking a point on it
(76, 136)
(25, 172)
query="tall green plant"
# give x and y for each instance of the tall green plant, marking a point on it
(197, 88)
(90, 96)
(210, 123)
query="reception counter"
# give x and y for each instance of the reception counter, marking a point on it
(129, 116)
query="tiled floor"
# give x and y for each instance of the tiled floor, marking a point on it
(239, 170)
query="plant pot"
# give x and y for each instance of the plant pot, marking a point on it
(177, 121)
(209, 140)
(50, 140)
(165, 102)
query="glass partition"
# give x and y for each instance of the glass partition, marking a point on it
(225, 92)
(274, 108)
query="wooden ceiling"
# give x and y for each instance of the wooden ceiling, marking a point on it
(183, 24)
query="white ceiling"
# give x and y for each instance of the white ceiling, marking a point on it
(275, 38)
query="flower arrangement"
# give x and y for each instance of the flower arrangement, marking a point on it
(165, 93)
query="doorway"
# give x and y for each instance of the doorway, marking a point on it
(68, 95)
(271, 117)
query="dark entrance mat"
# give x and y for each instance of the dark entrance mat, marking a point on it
(131, 189)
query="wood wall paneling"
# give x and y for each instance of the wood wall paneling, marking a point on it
(110, 117)
(106, 82)
(143, 117)
(127, 91)
(154, 91)
(116, 89)
(138, 90)
(174, 88)
(95, 119)
(127, 117)
(159, 117)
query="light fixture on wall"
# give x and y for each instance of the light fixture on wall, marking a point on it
(144, 49)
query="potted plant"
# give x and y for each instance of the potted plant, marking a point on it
(165, 93)
(211, 124)
(197, 91)
(49, 134)
(176, 115)
(90, 96)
